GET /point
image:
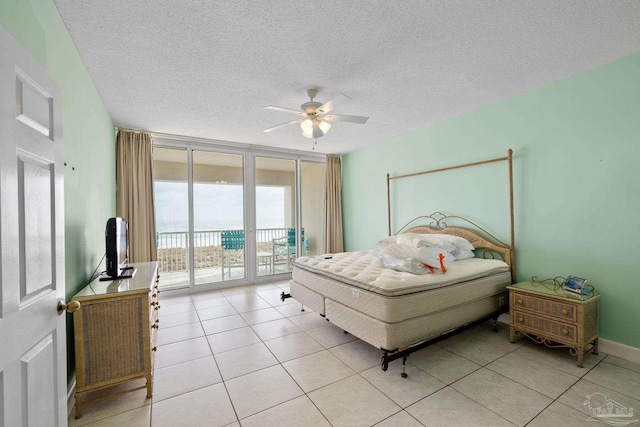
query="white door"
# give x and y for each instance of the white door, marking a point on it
(33, 378)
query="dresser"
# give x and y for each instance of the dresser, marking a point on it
(115, 333)
(556, 318)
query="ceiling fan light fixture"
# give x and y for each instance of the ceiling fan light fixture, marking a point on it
(307, 133)
(317, 132)
(324, 126)
(306, 125)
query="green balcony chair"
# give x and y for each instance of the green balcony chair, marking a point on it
(231, 240)
(284, 248)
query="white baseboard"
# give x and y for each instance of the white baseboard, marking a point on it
(70, 397)
(623, 351)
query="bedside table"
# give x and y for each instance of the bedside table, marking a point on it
(554, 318)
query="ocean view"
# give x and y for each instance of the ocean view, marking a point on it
(216, 207)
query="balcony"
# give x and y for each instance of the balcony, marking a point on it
(173, 257)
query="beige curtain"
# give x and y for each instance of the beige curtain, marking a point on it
(333, 242)
(134, 197)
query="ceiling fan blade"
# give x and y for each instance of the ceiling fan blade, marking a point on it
(283, 124)
(344, 118)
(333, 103)
(288, 110)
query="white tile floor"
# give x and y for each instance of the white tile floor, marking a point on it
(240, 357)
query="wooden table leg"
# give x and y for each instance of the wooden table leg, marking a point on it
(78, 405)
(149, 386)
(580, 352)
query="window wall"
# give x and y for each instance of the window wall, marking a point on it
(172, 215)
(228, 216)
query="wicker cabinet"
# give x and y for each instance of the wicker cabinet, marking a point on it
(114, 332)
(555, 318)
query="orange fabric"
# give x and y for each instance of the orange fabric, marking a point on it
(431, 269)
(442, 267)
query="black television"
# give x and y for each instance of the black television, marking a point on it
(117, 246)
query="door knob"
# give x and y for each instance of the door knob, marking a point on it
(71, 307)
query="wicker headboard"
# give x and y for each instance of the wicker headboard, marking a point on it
(489, 245)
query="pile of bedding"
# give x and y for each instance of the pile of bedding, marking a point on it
(423, 253)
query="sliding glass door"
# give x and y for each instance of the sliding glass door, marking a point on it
(234, 217)
(170, 174)
(275, 214)
(218, 217)
(280, 237)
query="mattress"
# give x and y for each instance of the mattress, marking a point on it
(364, 270)
(397, 296)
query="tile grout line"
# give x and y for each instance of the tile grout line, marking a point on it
(580, 378)
(277, 364)
(224, 384)
(517, 382)
(306, 394)
(524, 385)
(474, 371)
(403, 409)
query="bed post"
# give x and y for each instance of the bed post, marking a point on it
(512, 243)
(389, 202)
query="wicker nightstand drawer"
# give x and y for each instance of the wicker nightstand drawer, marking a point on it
(563, 332)
(544, 305)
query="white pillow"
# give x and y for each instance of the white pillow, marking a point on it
(458, 242)
(387, 241)
(462, 254)
(418, 241)
(411, 239)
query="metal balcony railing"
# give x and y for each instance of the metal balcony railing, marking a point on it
(173, 248)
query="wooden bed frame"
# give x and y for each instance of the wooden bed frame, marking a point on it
(487, 246)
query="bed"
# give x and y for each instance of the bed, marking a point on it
(400, 312)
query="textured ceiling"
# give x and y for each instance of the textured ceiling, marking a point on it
(206, 68)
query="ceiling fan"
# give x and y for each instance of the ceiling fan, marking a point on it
(314, 120)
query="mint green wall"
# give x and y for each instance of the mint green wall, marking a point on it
(577, 183)
(89, 139)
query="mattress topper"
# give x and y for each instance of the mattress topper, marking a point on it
(364, 270)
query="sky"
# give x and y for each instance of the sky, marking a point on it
(216, 207)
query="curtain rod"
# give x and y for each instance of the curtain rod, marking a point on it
(230, 144)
